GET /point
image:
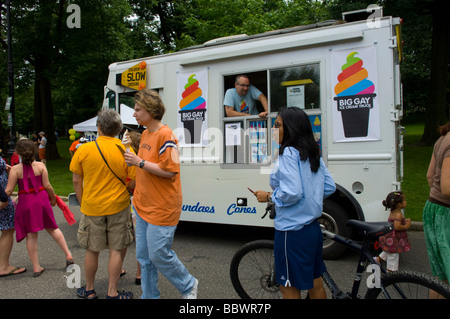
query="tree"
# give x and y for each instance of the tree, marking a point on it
(170, 26)
(437, 111)
(86, 53)
(425, 68)
(37, 39)
(68, 65)
(214, 19)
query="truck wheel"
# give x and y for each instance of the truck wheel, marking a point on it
(333, 219)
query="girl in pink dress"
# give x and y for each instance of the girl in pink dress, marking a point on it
(396, 241)
(34, 210)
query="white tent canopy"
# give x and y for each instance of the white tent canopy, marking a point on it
(126, 113)
(86, 126)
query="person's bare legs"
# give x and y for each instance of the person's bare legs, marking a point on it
(90, 269)
(58, 237)
(114, 269)
(290, 293)
(317, 292)
(6, 244)
(32, 247)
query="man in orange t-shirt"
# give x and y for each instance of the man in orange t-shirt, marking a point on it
(158, 200)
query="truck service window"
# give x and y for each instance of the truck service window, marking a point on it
(248, 139)
(246, 136)
(297, 86)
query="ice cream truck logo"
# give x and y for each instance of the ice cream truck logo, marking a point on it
(354, 96)
(192, 110)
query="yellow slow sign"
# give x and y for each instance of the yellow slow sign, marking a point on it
(135, 77)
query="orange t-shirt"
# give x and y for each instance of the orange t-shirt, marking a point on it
(73, 147)
(158, 200)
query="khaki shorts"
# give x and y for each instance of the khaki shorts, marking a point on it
(114, 232)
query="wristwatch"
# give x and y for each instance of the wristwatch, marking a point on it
(141, 164)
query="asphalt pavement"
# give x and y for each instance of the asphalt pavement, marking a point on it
(205, 249)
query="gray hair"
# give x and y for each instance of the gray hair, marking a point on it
(109, 122)
(238, 77)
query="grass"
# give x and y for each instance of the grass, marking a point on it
(415, 186)
(416, 160)
(58, 170)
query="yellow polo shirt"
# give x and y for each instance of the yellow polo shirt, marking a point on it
(103, 193)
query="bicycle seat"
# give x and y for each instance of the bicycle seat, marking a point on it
(370, 229)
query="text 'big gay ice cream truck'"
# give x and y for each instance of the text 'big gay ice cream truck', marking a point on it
(344, 75)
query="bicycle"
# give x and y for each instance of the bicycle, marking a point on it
(252, 270)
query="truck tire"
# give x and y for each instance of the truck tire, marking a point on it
(333, 219)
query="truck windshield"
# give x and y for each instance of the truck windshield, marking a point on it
(127, 99)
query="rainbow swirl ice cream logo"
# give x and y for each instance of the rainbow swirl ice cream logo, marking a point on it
(354, 96)
(192, 110)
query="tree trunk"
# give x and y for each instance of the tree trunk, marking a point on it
(43, 108)
(436, 114)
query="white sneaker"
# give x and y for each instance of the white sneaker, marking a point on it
(193, 293)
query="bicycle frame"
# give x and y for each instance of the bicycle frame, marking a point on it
(387, 285)
(365, 258)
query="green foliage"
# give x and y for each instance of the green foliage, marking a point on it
(58, 170)
(214, 19)
(416, 160)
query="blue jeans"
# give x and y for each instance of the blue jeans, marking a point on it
(154, 253)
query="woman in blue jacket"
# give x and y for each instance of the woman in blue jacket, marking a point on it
(300, 182)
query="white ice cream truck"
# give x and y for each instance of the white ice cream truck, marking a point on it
(346, 76)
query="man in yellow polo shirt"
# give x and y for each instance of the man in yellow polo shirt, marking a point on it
(105, 203)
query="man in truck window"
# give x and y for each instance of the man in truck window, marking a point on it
(241, 100)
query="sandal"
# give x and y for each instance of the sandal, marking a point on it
(15, 271)
(83, 293)
(69, 262)
(121, 294)
(38, 273)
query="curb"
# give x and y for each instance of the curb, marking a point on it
(416, 226)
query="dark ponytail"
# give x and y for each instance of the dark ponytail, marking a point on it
(393, 199)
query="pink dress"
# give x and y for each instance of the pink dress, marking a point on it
(34, 211)
(395, 241)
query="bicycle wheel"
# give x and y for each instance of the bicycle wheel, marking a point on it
(252, 271)
(408, 285)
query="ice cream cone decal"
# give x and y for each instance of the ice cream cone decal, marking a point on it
(353, 79)
(192, 110)
(192, 95)
(354, 96)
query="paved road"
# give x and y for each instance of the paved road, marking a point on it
(205, 249)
